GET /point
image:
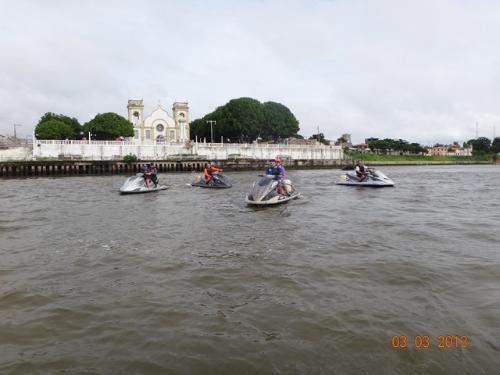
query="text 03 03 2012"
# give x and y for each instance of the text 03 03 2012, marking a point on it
(426, 342)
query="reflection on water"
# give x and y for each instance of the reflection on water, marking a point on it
(192, 281)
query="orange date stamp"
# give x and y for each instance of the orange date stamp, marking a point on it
(443, 342)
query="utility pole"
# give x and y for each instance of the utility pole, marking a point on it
(477, 130)
(15, 133)
(211, 122)
(318, 132)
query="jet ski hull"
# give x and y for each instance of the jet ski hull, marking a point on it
(219, 182)
(273, 201)
(135, 185)
(366, 184)
(143, 190)
(375, 179)
(204, 185)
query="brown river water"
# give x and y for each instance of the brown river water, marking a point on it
(192, 281)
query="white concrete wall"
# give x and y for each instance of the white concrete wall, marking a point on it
(16, 153)
(110, 150)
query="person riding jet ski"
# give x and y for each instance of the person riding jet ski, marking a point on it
(147, 178)
(154, 172)
(361, 171)
(278, 171)
(209, 170)
(273, 188)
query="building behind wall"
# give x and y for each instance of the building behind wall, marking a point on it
(159, 126)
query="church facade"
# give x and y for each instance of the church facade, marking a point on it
(159, 126)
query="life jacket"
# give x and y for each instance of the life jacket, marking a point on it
(209, 171)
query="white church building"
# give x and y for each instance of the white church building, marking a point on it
(159, 126)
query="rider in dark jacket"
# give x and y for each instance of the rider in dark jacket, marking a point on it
(361, 171)
(154, 172)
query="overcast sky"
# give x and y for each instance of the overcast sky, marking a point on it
(425, 71)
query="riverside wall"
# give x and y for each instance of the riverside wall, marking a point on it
(113, 150)
(70, 157)
(75, 168)
(21, 153)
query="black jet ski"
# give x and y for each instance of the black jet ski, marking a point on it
(135, 185)
(264, 192)
(219, 181)
(375, 179)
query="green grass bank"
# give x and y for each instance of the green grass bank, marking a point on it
(420, 159)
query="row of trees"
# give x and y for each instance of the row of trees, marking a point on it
(401, 145)
(483, 145)
(246, 119)
(105, 126)
(480, 146)
(320, 137)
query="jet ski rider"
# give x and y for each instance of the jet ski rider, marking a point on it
(361, 171)
(154, 172)
(278, 171)
(146, 172)
(209, 170)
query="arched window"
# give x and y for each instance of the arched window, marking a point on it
(135, 117)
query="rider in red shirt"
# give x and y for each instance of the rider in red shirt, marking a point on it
(209, 170)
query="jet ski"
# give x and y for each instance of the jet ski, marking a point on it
(135, 185)
(375, 179)
(219, 181)
(264, 192)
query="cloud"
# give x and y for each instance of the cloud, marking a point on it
(424, 71)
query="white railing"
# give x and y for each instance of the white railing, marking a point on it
(203, 144)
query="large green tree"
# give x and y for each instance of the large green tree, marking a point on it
(72, 122)
(279, 122)
(495, 145)
(53, 129)
(245, 119)
(481, 145)
(109, 126)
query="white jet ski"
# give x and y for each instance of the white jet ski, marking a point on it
(264, 192)
(375, 179)
(135, 185)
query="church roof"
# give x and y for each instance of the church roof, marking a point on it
(159, 114)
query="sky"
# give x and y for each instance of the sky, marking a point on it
(422, 70)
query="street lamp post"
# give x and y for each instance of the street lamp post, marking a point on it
(15, 133)
(211, 122)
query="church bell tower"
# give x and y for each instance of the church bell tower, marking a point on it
(180, 111)
(136, 117)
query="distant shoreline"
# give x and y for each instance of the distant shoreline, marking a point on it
(423, 162)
